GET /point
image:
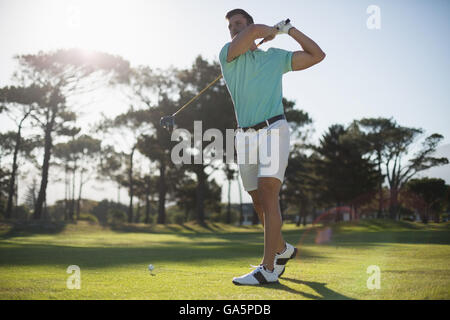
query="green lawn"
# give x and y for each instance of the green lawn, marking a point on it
(193, 262)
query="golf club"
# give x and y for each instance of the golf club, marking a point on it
(168, 122)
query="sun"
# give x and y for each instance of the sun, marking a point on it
(95, 25)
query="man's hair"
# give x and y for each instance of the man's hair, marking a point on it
(239, 11)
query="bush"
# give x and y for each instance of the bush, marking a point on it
(20, 213)
(104, 209)
(117, 216)
(89, 218)
(151, 219)
(177, 217)
(222, 216)
(215, 217)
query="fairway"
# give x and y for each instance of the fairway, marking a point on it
(193, 262)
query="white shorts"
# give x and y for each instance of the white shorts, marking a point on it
(263, 153)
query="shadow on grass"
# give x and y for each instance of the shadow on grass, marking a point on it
(211, 252)
(380, 225)
(323, 293)
(402, 237)
(166, 228)
(29, 228)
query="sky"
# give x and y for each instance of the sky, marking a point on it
(399, 70)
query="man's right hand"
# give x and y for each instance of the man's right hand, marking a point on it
(244, 40)
(272, 35)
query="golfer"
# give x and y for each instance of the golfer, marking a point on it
(254, 78)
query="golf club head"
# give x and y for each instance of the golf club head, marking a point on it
(167, 122)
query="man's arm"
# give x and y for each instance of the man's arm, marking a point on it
(244, 40)
(311, 55)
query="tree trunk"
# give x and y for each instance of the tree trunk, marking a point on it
(162, 194)
(380, 190)
(200, 192)
(255, 218)
(186, 213)
(393, 203)
(130, 179)
(380, 201)
(67, 192)
(228, 220)
(138, 211)
(241, 210)
(147, 202)
(72, 202)
(79, 195)
(13, 173)
(48, 144)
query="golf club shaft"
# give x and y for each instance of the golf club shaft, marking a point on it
(209, 85)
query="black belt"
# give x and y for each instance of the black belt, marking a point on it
(265, 123)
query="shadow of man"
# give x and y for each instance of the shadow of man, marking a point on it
(320, 288)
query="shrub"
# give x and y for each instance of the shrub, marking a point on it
(117, 216)
(177, 217)
(89, 218)
(20, 213)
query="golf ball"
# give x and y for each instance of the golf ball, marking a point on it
(150, 267)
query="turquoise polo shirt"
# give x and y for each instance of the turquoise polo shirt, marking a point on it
(254, 82)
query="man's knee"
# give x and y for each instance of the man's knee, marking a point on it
(255, 198)
(268, 188)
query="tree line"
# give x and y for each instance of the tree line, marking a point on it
(366, 165)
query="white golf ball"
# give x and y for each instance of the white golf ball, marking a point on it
(150, 267)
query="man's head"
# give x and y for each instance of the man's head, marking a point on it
(238, 20)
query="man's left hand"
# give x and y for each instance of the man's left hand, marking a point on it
(283, 28)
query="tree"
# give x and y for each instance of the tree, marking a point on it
(149, 185)
(375, 132)
(301, 182)
(214, 109)
(111, 167)
(66, 153)
(157, 147)
(231, 175)
(80, 156)
(61, 74)
(88, 153)
(20, 102)
(398, 174)
(342, 169)
(131, 125)
(432, 193)
(153, 90)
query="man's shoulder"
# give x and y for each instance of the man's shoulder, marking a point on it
(223, 53)
(224, 47)
(226, 44)
(273, 50)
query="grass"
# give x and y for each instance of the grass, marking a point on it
(199, 262)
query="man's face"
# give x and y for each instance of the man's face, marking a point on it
(236, 24)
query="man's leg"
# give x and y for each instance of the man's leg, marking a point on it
(267, 193)
(260, 211)
(257, 205)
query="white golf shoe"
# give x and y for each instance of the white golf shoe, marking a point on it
(258, 276)
(281, 259)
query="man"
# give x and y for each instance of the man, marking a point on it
(253, 78)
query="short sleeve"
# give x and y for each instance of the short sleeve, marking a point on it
(223, 54)
(284, 57)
